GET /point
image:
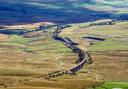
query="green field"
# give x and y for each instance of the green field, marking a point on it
(115, 35)
(114, 85)
(108, 45)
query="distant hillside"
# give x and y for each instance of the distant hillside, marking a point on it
(66, 11)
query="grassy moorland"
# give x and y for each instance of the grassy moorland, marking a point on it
(109, 48)
(24, 58)
(115, 35)
(27, 58)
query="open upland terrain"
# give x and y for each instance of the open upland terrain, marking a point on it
(107, 44)
(63, 44)
(26, 57)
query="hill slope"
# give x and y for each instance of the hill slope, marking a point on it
(68, 11)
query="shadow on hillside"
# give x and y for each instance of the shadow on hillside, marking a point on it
(65, 12)
(11, 32)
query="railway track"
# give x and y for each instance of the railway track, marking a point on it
(84, 56)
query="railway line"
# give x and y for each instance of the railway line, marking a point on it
(84, 56)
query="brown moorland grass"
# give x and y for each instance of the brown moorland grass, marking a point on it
(3, 37)
(65, 83)
(109, 56)
(110, 65)
(46, 59)
(31, 88)
(27, 26)
(11, 56)
(18, 72)
(51, 84)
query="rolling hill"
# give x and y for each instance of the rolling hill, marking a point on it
(68, 11)
(32, 57)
